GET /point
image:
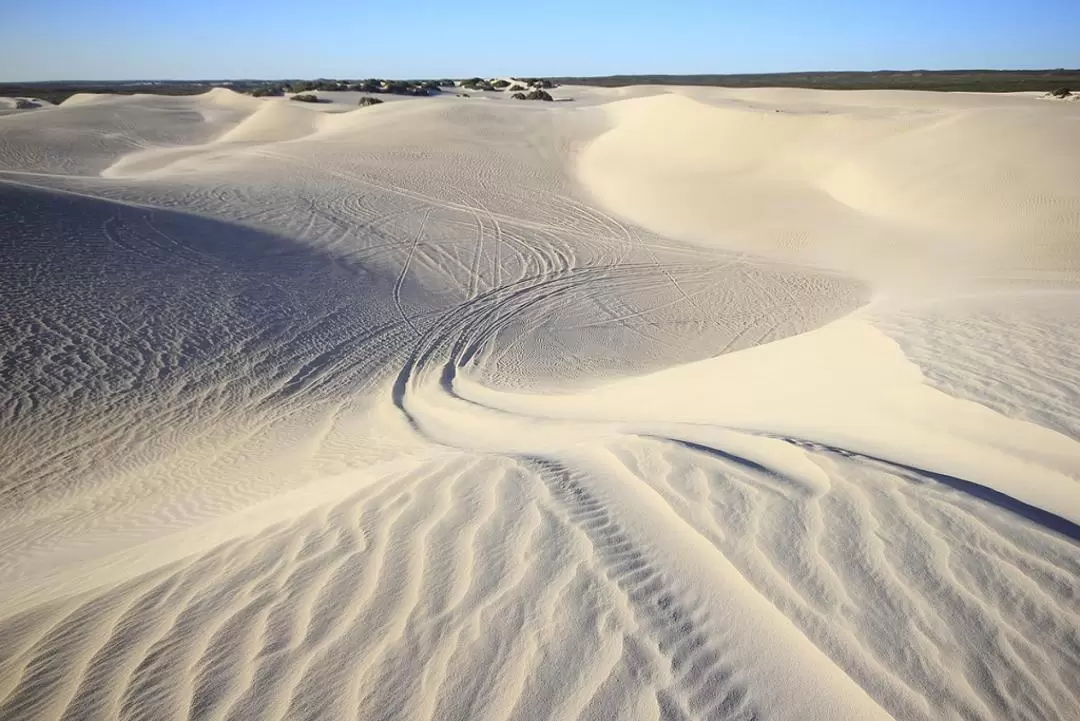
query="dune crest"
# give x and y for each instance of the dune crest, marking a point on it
(987, 188)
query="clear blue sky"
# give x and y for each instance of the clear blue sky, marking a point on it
(134, 39)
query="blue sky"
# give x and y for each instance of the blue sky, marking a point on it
(132, 39)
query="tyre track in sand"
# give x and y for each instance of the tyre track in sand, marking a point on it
(405, 270)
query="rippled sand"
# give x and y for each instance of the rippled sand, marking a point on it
(662, 403)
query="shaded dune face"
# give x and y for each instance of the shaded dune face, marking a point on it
(310, 414)
(133, 330)
(128, 330)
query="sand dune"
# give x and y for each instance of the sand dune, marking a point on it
(971, 189)
(666, 403)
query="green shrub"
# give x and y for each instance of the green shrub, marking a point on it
(364, 102)
(305, 98)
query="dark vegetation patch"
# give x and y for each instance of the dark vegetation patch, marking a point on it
(987, 81)
(997, 81)
(536, 94)
(57, 92)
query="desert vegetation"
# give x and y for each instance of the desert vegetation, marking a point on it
(476, 84)
(396, 87)
(1004, 81)
(985, 81)
(269, 91)
(536, 94)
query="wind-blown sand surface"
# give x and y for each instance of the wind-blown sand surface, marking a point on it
(663, 403)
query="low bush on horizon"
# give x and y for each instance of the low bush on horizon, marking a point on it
(542, 83)
(1061, 93)
(1010, 81)
(266, 92)
(974, 80)
(305, 98)
(477, 84)
(536, 94)
(396, 87)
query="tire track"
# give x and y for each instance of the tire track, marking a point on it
(404, 271)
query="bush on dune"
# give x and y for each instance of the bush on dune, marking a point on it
(267, 92)
(542, 83)
(305, 98)
(533, 95)
(365, 102)
(371, 85)
(1061, 93)
(477, 84)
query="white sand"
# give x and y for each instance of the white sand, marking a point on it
(664, 403)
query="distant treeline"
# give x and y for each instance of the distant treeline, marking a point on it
(993, 81)
(988, 81)
(57, 92)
